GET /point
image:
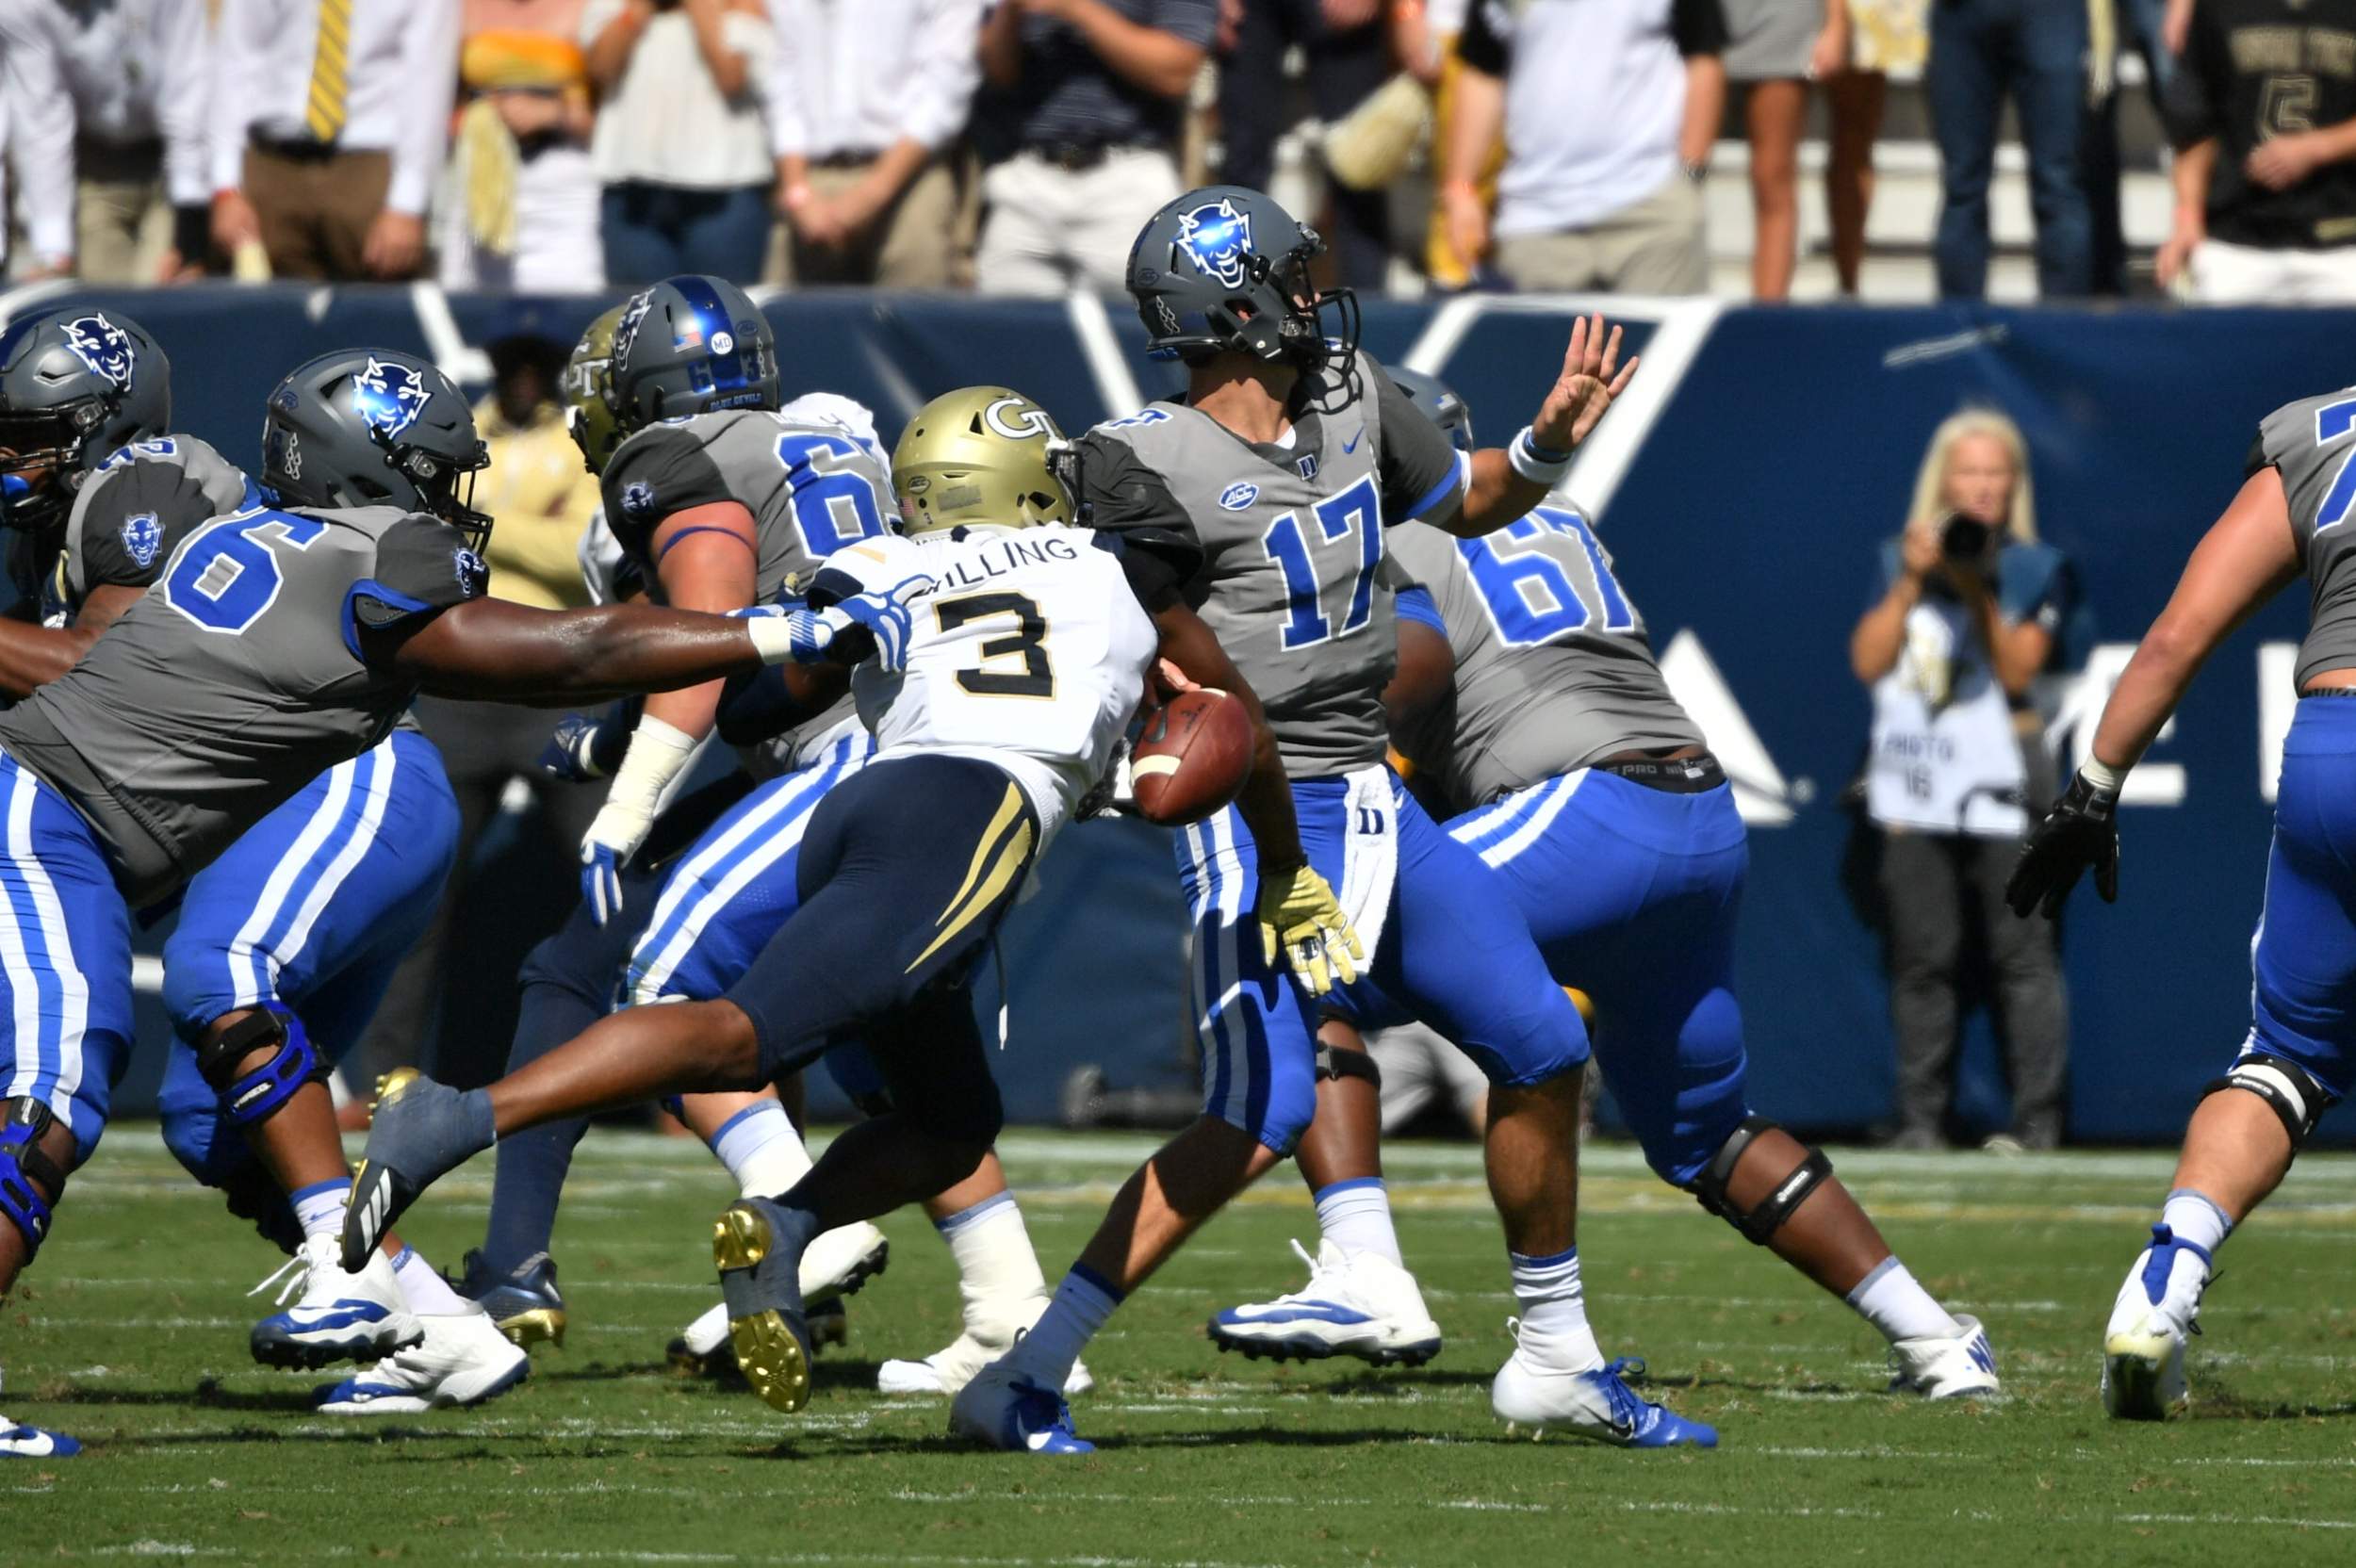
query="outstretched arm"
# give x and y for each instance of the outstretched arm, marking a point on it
(34, 655)
(493, 650)
(1508, 480)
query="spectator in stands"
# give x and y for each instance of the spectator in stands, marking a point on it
(2120, 25)
(1775, 48)
(679, 141)
(1348, 52)
(2265, 126)
(1968, 617)
(1608, 196)
(110, 103)
(1080, 128)
(521, 210)
(863, 104)
(1429, 47)
(2033, 52)
(1887, 38)
(327, 126)
(543, 497)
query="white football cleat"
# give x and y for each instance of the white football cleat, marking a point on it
(339, 1317)
(2143, 1347)
(1945, 1366)
(463, 1360)
(949, 1369)
(1357, 1304)
(842, 1260)
(1592, 1402)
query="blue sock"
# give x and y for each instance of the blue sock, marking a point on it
(319, 1207)
(1356, 1215)
(1083, 1302)
(532, 1163)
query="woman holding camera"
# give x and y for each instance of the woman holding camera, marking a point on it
(1966, 622)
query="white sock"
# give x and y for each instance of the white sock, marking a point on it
(1554, 1311)
(761, 1149)
(1893, 1300)
(998, 1273)
(2194, 1217)
(427, 1293)
(1082, 1303)
(319, 1207)
(1355, 1215)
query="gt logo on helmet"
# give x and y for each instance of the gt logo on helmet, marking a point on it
(1217, 238)
(1029, 423)
(106, 348)
(388, 398)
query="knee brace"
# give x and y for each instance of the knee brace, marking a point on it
(23, 1162)
(256, 1096)
(1709, 1187)
(1349, 1064)
(2289, 1090)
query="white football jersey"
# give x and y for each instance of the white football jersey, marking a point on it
(1030, 653)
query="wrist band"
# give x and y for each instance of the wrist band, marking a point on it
(1536, 463)
(2103, 779)
(773, 638)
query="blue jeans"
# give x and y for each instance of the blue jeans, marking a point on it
(652, 231)
(2032, 51)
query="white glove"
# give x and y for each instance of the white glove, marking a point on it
(658, 752)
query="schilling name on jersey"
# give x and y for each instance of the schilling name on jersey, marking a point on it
(1003, 557)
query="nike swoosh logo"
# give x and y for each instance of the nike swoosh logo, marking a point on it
(1303, 1312)
(1352, 445)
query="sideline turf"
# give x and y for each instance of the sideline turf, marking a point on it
(130, 1333)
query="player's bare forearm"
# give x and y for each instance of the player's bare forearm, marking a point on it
(1494, 496)
(1267, 800)
(489, 649)
(2246, 558)
(33, 654)
(1426, 675)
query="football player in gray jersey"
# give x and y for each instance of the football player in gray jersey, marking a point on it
(2293, 514)
(277, 642)
(1283, 466)
(1528, 696)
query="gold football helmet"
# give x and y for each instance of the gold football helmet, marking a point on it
(586, 390)
(985, 456)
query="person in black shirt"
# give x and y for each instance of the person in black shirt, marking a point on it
(2264, 118)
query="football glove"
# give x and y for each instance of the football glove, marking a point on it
(1300, 916)
(584, 746)
(811, 636)
(657, 754)
(2080, 831)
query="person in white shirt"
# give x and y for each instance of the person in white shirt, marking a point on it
(1607, 108)
(679, 141)
(1969, 618)
(864, 97)
(329, 119)
(108, 98)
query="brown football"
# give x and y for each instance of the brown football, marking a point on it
(1193, 757)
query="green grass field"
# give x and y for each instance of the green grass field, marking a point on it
(131, 1335)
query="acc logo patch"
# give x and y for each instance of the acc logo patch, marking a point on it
(101, 346)
(1031, 420)
(1239, 494)
(388, 398)
(1217, 238)
(473, 572)
(142, 535)
(638, 497)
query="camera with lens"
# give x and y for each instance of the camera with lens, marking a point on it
(1964, 538)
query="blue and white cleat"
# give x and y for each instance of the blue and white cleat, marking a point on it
(524, 1303)
(463, 1360)
(335, 1315)
(420, 1131)
(1945, 1366)
(1357, 1304)
(1003, 1408)
(22, 1442)
(2143, 1347)
(1597, 1403)
(758, 1247)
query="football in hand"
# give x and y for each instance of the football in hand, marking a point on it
(1193, 757)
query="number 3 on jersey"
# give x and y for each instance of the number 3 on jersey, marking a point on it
(1528, 576)
(228, 575)
(1351, 520)
(833, 505)
(1026, 641)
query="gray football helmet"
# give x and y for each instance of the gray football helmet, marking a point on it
(76, 385)
(375, 427)
(1225, 269)
(691, 345)
(1437, 402)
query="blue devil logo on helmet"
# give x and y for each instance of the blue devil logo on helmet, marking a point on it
(1218, 239)
(106, 348)
(388, 398)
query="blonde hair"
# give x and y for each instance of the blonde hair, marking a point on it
(1930, 480)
